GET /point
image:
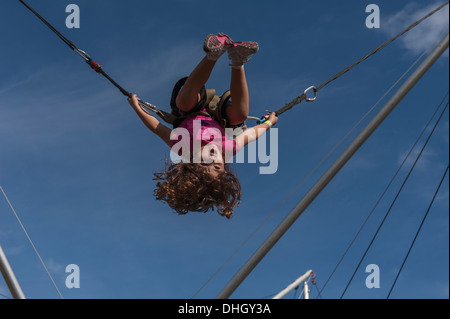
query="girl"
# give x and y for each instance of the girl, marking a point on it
(202, 184)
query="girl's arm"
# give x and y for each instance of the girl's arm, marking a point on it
(253, 133)
(150, 121)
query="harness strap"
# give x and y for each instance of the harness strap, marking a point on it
(215, 106)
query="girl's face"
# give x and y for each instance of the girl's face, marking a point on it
(212, 161)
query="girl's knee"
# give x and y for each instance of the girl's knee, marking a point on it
(237, 114)
(186, 102)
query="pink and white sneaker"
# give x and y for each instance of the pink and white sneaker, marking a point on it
(216, 45)
(240, 52)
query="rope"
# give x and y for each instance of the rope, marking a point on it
(384, 192)
(395, 199)
(418, 231)
(303, 97)
(31, 243)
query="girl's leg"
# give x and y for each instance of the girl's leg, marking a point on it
(189, 94)
(240, 54)
(237, 111)
(214, 46)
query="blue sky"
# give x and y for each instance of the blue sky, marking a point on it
(77, 163)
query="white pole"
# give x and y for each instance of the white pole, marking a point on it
(10, 278)
(293, 285)
(305, 290)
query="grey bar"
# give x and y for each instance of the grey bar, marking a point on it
(10, 278)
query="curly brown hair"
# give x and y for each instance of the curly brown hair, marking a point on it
(188, 187)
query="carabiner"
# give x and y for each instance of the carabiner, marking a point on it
(310, 99)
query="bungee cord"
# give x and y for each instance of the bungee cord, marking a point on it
(99, 69)
(304, 97)
(169, 118)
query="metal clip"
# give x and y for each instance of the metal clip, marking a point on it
(263, 119)
(310, 99)
(148, 106)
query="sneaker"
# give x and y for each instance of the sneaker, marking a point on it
(240, 52)
(216, 45)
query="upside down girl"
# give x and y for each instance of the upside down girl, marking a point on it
(204, 180)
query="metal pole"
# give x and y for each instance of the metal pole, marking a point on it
(333, 170)
(293, 285)
(10, 278)
(305, 290)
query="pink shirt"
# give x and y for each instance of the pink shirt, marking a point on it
(210, 132)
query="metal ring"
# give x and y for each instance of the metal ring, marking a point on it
(310, 99)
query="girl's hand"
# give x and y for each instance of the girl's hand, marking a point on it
(134, 101)
(150, 121)
(272, 117)
(253, 133)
